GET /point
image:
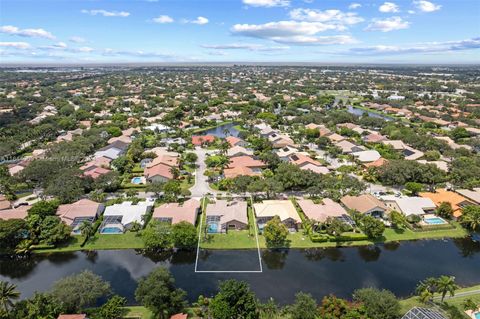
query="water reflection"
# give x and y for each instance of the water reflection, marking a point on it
(317, 271)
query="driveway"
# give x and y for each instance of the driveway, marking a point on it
(201, 186)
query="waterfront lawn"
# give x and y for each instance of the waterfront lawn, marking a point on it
(453, 306)
(234, 239)
(128, 240)
(138, 312)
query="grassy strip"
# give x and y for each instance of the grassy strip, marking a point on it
(454, 304)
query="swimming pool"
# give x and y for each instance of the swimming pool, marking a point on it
(111, 230)
(477, 315)
(213, 228)
(434, 221)
(137, 180)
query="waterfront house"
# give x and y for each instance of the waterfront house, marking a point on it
(75, 214)
(235, 141)
(223, 215)
(456, 200)
(284, 209)
(321, 211)
(410, 205)
(366, 204)
(174, 213)
(119, 217)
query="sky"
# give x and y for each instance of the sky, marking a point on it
(318, 31)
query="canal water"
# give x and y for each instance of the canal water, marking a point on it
(395, 266)
(359, 112)
(222, 131)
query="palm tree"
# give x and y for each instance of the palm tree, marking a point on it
(471, 217)
(175, 172)
(86, 229)
(23, 248)
(426, 288)
(446, 284)
(8, 293)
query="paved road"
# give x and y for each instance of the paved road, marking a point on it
(201, 186)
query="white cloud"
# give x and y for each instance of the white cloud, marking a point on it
(106, 13)
(388, 24)
(431, 47)
(163, 19)
(293, 32)
(244, 46)
(83, 49)
(389, 7)
(76, 39)
(354, 6)
(198, 20)
(31, 33)
(334, 16)
(426, 6)
(411, 11)
(15, 45)
(267, 3)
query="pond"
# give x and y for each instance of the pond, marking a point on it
(222, 131)
(359, 112)
(339, 271)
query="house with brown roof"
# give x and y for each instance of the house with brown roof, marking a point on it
(76, 213)
(307, 163)
(174, 213)
(199, 140)
(235, 141)
(348, 147)
(20, 212)
(280, 140)
(373, 138)
(366, 204)
(4, 202)
(243, 165)
(321, 211)
(159, 173)
(284, 209)
(223, 215)
(456, 200)
(239, 151)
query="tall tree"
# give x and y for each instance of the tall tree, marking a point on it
(157, 292)
(8, 294)
(234, 300)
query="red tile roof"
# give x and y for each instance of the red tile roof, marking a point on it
(202, 139)
(158, 170)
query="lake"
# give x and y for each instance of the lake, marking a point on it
(395, 266)
(359, 112)
(220, 131)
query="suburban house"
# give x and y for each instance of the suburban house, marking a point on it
(223, 215)
(348, 147)
(20, 212)
(243, 165)
(373, 138)
(282, 208)
(4, 203)
(285, 152)
(76, 213)
(410, 153)
(95, 172)
(472, 195)
(366, 204)
(235, 141)
(368, 156)
(320, 212)
(199, 140)
(335, 138)
(410, 205)
(174, 213)
(280, 140)
(112, 151)
(456, 200)
(159, 170)
(239, 151)
(119, 217)
(307, 163)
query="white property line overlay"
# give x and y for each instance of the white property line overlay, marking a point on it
(227, 271)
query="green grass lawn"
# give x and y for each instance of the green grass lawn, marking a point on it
(455, 304)
(139, 312)
(128, 240)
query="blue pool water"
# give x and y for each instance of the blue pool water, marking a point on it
(213, 228)
(111, 230)
(136, 180)
(477, 315)
(434, 221)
